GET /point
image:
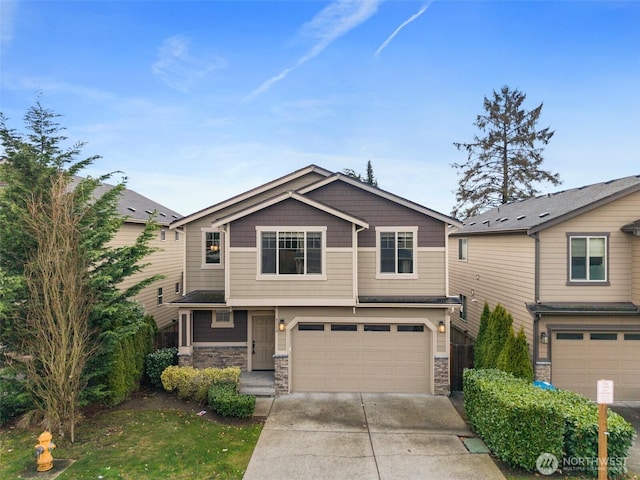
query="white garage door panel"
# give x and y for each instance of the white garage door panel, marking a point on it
(361, 361)
(577, 364)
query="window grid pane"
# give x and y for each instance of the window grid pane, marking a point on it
(291, 253)
(212, 247)
(588, 258)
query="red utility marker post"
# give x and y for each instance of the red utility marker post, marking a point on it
(605, 397)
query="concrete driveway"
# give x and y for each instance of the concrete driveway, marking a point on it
(631, 413)
(366, 436)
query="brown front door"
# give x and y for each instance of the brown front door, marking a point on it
(263, 346)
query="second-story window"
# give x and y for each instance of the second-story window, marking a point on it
(588, 258)
(462, 249)
(397, 251)
(290, 252)
(211, 248)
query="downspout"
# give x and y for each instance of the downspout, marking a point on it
(354, 243)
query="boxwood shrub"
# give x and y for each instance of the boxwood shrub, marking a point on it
(193, 384)
(519, 421)
(225, 400)
(156, 362)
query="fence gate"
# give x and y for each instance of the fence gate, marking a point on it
(461, 358)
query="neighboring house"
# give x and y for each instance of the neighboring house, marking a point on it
(567, 267)
(167, 260)
(336, 285)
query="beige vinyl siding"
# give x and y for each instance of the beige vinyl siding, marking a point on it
(243, 283)
(199, 278)
(635, 270)
(166, 261)
(499, 269)
(554, 254)
(430, 281)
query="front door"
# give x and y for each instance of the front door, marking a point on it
(263, 346)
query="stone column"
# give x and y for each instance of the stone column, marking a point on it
(281, 373)
(441, 376)
(543, 371)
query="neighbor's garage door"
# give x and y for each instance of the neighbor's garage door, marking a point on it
(361, 358)
(580, 359)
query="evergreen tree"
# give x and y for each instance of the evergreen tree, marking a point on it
(41, 192)
(369, 179)
(482, 340)
(497, 332)
(514, 357)
(505, 163)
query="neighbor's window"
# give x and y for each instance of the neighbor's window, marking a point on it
(211, 248)
(163, 235)
(462, 249)
(177, 236)
(160, 296)
(396, 251)
(291, 252)
(463, 307)
(178, 289)
(588, 258)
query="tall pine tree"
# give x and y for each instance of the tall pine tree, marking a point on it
(504, 162)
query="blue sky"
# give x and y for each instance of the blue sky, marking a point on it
(199, 101)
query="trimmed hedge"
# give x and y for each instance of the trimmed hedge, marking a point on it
(518, 422)
(225, 400)
(193, 384)
(156, 362)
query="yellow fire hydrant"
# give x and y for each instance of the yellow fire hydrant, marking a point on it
(43, 452)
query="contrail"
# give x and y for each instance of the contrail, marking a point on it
(404, 24)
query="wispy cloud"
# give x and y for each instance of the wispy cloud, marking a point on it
(402, 25)
(178, 68)
(335, 20)
(7, 17)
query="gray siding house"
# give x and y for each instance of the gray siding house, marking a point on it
(567, 266)
(335, 285)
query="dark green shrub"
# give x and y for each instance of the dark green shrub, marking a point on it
(225, 400)
(126, 352)
(156, 362)
(581, 436)
(497, 333)
(14, 398)
(517, 421)
(514, 357)
(482, 340)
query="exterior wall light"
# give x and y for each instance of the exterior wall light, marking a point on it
(442, 327)
(281, 325)
(543, 338)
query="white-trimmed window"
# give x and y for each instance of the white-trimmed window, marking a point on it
(163, 235)
(587, 258)
(222, 319)
(160, 296)
(211, 248)
(462, 249)
(396, 251)
(289, 251)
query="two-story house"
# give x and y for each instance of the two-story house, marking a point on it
(335, 285)
(567, 267)
(166, 260)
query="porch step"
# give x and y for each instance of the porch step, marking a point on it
(258, 391)
(260, 384)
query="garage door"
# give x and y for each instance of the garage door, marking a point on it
(580, 359)
(342, 357)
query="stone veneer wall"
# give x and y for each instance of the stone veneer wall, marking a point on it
(185, 360)
(543, 371)
(281, 374)
(441, 376)
(219, 357)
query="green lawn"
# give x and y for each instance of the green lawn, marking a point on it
(139, 444)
